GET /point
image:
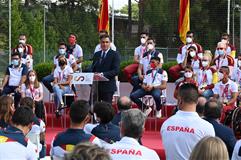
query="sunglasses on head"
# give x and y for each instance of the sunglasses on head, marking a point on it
(220, 48)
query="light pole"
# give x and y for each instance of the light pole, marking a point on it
(238, 7)
(9, 30)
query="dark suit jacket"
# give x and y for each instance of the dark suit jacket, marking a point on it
(109, 66)
(225, 133)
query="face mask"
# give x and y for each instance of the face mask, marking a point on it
(61, 51)
(61, 63)
(32, 78)
(239, 63)
(192, 53)
(20, 50)
(150, 46)
(22, 41)
(15, 62)
(71, 41)
(220, 76)
(143, 40)
(188, 74)
(220, 52)
(200, 55)
(152, 65)
(189, 40)
(204, 63)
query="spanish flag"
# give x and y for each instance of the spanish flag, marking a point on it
(103, 19)
(184, 19)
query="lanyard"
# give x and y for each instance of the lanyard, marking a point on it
(61, 76)
(204, 76)
(220, 61)
(225, 91)
(32, 90)
(154, 77)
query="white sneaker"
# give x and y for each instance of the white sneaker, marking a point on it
(159, 114)
(147, 111)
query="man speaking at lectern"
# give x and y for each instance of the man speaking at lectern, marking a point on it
(106, 63)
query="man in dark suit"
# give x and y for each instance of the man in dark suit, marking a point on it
(212, 113)
(106, 63)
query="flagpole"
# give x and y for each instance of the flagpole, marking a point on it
(9, 30)
(228, 18)
(113, 22)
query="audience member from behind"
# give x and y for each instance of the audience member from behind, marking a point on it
(181, 132)
(13, 144)
(132, 127)
(6, 111)
(37, 132)
(14, 77)
(200, 105)
(123, 103)
(237, 151)
(105, 130)
(33, 88)
(87, 151)
(210, 148)
(65, 141)
(212, 113)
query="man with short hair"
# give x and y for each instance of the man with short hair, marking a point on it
(66, 140)
(139, 51)
(75, 50)
(181, 132)
(132, 127)
(27, 47)
(106, 63)
(13, 143)
(98, 46)
(223, 59)
(212, 113)
(14, 77)
(231, 50)
(200, 105)
(182, 51)
(123, 104)
(226, 91)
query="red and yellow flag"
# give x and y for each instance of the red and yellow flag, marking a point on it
(184, 19)
(103, 19)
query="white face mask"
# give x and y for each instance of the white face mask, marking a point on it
(224, 41)
(143, 40)
(22, 41)
(189, 40)
(61, 51)
(188, 74)
(204, 63)
(20, 50)
(192, 53)
(220, 76)
(150, 46)
(32, 78)
(239, 63)
(200, 55)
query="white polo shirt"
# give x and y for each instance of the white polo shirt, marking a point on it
(205, 77)
(62, 75)
(236, 76)
(226, 90)
(15, 74)
(227, 60)
(139, 51)
(129, 149)
(70, 60)
(155, 77)
(237, 151)
(32, 92)
(181, 132)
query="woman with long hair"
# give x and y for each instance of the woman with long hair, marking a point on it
(33, 88)
(6, 110)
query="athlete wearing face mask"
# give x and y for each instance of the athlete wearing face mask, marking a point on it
(27, 48)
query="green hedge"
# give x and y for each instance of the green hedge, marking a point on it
(44, 69)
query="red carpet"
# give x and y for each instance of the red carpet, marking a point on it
(150, 139)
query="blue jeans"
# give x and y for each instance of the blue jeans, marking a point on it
(135, 82)
(58, 94)
(156, 93)
(207, 93)
(47, 82)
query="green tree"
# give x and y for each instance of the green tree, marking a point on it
(135, 10)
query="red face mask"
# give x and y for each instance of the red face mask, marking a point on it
(152, 64)
(72, 40)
